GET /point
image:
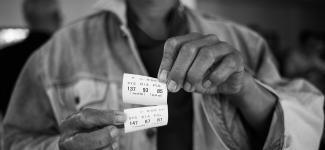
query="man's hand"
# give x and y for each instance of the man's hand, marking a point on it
(204, 64)
(91, 129)
(201, 63)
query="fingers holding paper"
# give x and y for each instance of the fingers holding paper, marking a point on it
(201, 63)
(91, 129)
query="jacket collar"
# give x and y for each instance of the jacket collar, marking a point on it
(118, 7)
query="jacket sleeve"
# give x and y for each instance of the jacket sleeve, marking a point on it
(297, 121)
(300, 106)
(30, 123)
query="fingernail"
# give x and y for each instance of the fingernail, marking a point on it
(120, 118)
(115, 145)
(172, 86)
(162, 77)
(207, 84)
(114, 132)
(187, 87)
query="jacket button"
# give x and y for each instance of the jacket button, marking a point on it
(77, 100)
(151, 133)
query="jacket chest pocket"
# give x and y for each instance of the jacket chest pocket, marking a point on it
(83, 93)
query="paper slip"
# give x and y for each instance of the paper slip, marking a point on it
(145, 117)
(146, 91)
(143, 90)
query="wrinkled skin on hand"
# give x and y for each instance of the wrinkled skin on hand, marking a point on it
(91, 129)
(201, 63)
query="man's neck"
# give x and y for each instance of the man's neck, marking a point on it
(151, 15)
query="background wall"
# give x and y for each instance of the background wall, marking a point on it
(9, 14)
(10, 11)
(286, 17)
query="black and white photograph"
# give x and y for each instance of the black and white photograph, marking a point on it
(162, 74)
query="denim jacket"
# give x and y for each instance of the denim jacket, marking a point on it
(83, 64)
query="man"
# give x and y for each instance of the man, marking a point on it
(42, 18)
(227, 93)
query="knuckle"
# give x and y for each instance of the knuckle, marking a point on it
(176, 74)
(82, 117)
(207, 52)
(212, 37)
(86, 111)
(222, 45)
(70, 117)
(215, 77)
(188, 48)
(234, 82)
(168, 54)
(193, 77)
(69, 121)
(235, 61)
(231, 63)
(166, 62)
(167, 59)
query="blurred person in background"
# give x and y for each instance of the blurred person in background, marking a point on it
(225, 91)
(307, 60)
(273, 40)
(43, 18)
